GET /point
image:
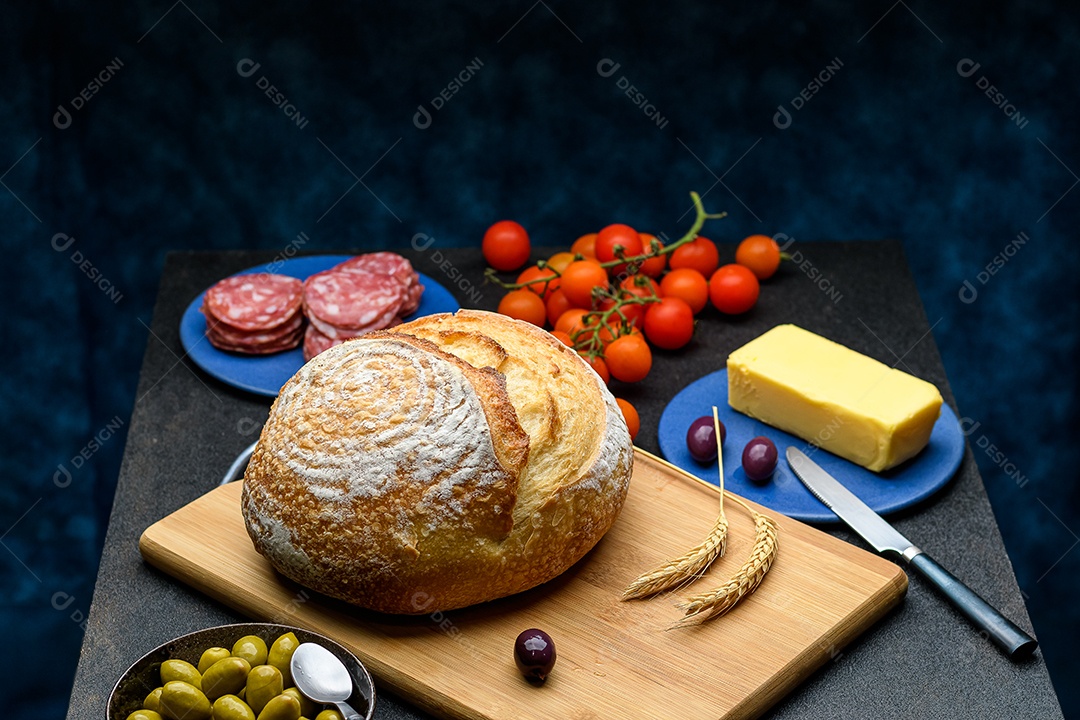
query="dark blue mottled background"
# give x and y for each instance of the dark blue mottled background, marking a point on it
(177, 149)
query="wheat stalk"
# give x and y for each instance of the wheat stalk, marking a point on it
(687, 567)
(705, 606)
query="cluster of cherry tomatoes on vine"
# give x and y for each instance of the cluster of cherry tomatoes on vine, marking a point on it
(616, 293)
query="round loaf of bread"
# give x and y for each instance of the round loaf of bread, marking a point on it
(453, 460)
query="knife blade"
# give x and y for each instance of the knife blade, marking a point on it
(884, 538)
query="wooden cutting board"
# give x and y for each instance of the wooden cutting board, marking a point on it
(615, 659)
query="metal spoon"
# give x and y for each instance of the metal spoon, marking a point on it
(320, 675)
(236, 470)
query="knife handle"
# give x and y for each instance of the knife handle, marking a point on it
(1016, 643)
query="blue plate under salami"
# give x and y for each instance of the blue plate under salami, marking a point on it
(264, 374)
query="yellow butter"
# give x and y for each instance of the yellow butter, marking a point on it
(833, 397)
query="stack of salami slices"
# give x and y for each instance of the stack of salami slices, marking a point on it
(256, 314)
(365, 293)
(263, 313)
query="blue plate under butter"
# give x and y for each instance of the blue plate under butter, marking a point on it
(886, 492)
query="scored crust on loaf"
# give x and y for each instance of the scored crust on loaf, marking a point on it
(493, 460)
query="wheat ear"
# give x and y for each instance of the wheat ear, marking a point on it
(682, 569)
(705, 606)
(690, 566)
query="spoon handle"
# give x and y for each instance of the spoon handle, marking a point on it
(345, 709)
(236, 470)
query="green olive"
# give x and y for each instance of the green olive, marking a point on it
(263, 683)
(252, 648)
(230, 707)
(282, 707)
(225, 677)
(144, 715)
(211, 656)
(181, 701)
(153, 701)
(329, 715)
(307, 707)
(181, 670)
(281, 654)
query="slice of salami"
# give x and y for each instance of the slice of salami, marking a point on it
(389, 263)
(254, 302)
(381, 323)
(315, 342)
(352, 300)
(382, 263)
(232, 336)
(288, 342)
(412, 299)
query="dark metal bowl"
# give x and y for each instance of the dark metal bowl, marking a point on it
(143, 676)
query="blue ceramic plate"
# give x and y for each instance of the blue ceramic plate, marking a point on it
(885, 492)
(265, 374)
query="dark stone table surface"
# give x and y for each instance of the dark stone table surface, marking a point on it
(920, 661)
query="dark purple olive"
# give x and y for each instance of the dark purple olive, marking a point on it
(701, 439)
(534, 653)
(759, 459)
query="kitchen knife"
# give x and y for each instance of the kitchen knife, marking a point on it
(886, 540)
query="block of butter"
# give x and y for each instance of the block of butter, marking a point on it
(833, 397)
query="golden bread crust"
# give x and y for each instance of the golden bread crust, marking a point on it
(492, 459)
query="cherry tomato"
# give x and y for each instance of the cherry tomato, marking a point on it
(628, 358)
(579, 279)
(585, 246)
(629, 413)
(761, 254)
(653, 267)
(524, 305)
(542, 282)
(563, 337)
(506, 246)
(616, 239)
(687, 284)
(700, 254)
(560, 260)
(733, 289)
(571, 321)
(597, 363)
(556, 305)
(669, 324)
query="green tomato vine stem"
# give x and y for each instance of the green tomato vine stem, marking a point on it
(587, 341)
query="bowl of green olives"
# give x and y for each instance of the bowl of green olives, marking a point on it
(231, 672)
